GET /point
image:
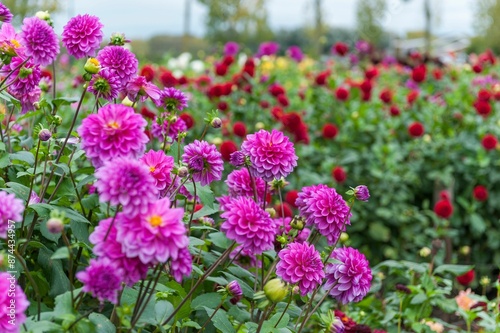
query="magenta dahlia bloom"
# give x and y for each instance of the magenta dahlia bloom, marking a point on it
(40, 41)
(28, 100)
(268, 49)
(159, 131)
(11, 208)
(204, 161)
(13, 304)
(248, 224)
(127, 182)
(5, 14)
(120, 61)
(24, 78)
(324, 208)
(350, 276)
(240, 184)
(105, 84)
(237, 159)
(116, 130)
(182, 266)
(295, 53)
(156, 235)
(82, 35)
(160, 166)
(172, 99)
(231, 49)
(103, 279)
(140, 87)
(272, 154)
(107, 245)
(300, 263)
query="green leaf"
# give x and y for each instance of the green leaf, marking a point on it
(163, 309)
(418, 299)
(220, 320)
(2, 146)
(269, 324)
(206, 211)
(102, 323)
(193, 241)
(203, 192)
(42, 326)
(23, 156)
(4, 159)
(61, 253)
(453, 269)
(379, 232)
(81, 231)
(478, 226)
(219, 239)
(19, 190)
(55, 273)
(64, 101)
(211, 300)
(63, 305)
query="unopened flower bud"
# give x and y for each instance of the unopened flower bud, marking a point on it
(425, 252)
(55, 225)
(217, 141)
(361, 192)
(297, 223)
(402, 288)
(182, 172)
(344, 237)
(43, 15)
(275, 290)
(260, 125)
(336, 326)
(272, 212)
(233, 289)
(485, 281)
(465, 250)
(24, 72)
(92, 66)
(118, 39)
(216, 122)
(44, 135)
(57, 120)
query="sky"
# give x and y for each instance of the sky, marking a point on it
(146, 18)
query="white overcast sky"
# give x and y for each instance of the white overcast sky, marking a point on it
(146, 18)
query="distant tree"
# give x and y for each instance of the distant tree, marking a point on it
(244, 21)
(487, 26)
(23, 8)
(370, 17)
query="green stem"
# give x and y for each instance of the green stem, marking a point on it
(315, 308)
(284, 310)
(210, 318)
(31, 184)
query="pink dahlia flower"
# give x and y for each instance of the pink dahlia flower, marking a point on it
(159, 131)
(105, 84)
(182, 266)
(127, 182)
(116, 130)
(13, 304)
(272, 154)
(11, 208)
(140, 87)
(350, 276)
(248, 224)
(82, 35)
(240, 184)
(160, 166)
(40, 41)
(172, 99)
(103, 279)
(24, 79)
(107, 245)
(300, 263)
(5, 14)
(156, 235)
(204, 160)
(324, 208)
(9, 41)
(28, 100)
(120, 61)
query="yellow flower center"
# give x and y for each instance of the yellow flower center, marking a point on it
(155, 220)
(95, 62)
(152, 169)
(15, 43)
(113, 125)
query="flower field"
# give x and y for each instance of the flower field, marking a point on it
(264, 192)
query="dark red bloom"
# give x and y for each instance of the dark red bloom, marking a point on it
(371, 73)
(386, 96)
(148, 72)
(341, 48)
(366, 96)
(277, 112)
(291, 196)
(339, 174)
(188, 119)
(443, 208)
(489, 142)
(147, 113)
(322, 77)
(418, 74)
(342, 94)
(412, 96)
(484, 95)
(276, 90)
(467, 278)
(291, 121)
(45, 73)
(287, 210)
(203, 81)
(223, 106)
(264, 104)
(283, 100)
(228, 60)
(480, 193)
(394, 110)
(240, 129)
(416, 129)
(437, 73)
(329, 131)
(168, 79)
(366, 86)
(482, 107)
(182, 80)
(477, 68)
(301, 134)
(221, 69)
(227, 148)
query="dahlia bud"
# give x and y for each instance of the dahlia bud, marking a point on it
(182, 172)
(344, 237)
(260, 125)
(275, 290)
(336, 326)
(297, 223)
(216, 122)
(485, 281)
(233, 289)
(217, 141)
(55, 225)
(44, 135)
(43, 15)
(278, 183)
(206, 221)
(24, 72)
(361, 193)
(118, 39)
(272, 212)
(56, 120)
(465, 250)
(402, 288)
(92, 66)
(127, 102)
(424, 252)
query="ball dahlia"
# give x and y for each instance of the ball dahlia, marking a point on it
(204, 161)
(172, 99)
(103, 279)
(11, 208)
(5, 14)
(480, 193)
(324, 208)
(156, 235)
(82, 35)
(248, 224)
(120, 61)
(40, 41)
(116, 130)
(239, 183)
(8, 298)
(489, 142)
(443, 208)
(272, 154)
(126, 182)
(182, 266)
(350, 277)
(300, 263)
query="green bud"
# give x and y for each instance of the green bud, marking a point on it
(57, 120)
(275, 290)
(92, 66)
(297, 223)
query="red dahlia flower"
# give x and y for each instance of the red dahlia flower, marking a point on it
(480, 193)
(339, 174)
(489, 142)
(467, 278)
(416, 129)
(443, 208)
